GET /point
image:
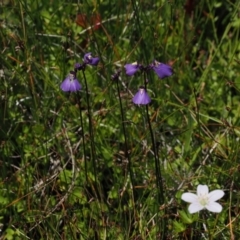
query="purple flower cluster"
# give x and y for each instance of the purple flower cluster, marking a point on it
(71, 83)
(161, 69)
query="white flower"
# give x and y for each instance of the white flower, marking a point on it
(203, 199)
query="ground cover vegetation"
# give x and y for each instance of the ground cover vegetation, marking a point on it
(119, 119)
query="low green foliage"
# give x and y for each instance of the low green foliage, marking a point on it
(83, 166)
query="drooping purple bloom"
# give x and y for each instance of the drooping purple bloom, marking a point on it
(141, 97)
(132, 68)
(71, 84)
(88, 59)
(161, 69)
(78, 66)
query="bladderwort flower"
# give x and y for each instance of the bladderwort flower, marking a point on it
(71, 84)
(203, 200)
(141, 97)
(132, 68)
(78, 66)
(161, 69)
(88, 59)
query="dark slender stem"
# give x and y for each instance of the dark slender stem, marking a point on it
(83, 136)
(125, 139)
(159, 180)
(93, 151)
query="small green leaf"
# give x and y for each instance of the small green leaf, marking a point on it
(178, 227)
(9, 234)
(113, 193)
(186, 217)
(38, 129)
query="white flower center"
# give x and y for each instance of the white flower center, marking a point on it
(71, 76)
(156, 63)
(203, 199)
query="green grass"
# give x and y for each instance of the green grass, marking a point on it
(63, 178)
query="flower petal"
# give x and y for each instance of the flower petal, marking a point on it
(65, 85)
(195, 207)
(141, 97)
(94, 61)
(78, 66)
(189, 197)
(162, 70)
(214, 207)
(88, 59)
(75, 86)
(69, 85)
(87, 56)
(215, 195)
(131, 69)
(202, 190)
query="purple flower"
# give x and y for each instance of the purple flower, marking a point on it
(71, 84)
(131, 68)
(88, 59)
(78, 66)
(141, 97)
(161, 69)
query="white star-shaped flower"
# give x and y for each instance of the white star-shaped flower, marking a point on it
(203, 199)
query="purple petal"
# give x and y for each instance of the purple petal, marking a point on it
(75, 86)
(77, 66)
(70, 85)
(131, 69)
(86, 56)
(141, 97)
(162, 70)
(65, 84)
(94, 61)
(88, 59)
